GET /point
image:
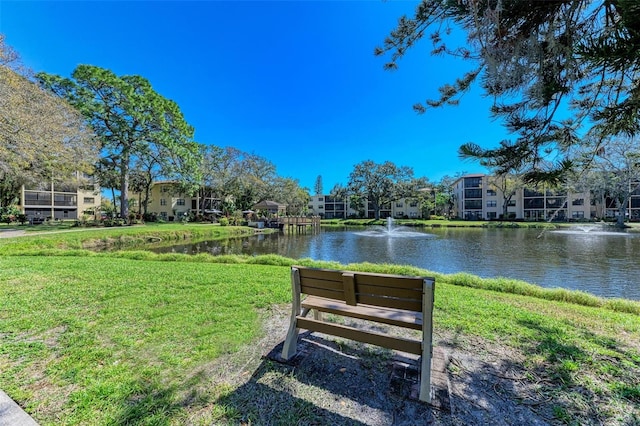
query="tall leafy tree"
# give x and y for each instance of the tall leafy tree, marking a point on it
(555, 69)
(288, 191)
(108, 176)
(382, 184)
(131, 120)
(614, 173)
(318, 185)
(259, 175)
(42, 137)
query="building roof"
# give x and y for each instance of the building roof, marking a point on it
(269, 205)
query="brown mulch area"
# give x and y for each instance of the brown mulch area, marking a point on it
(335, 381)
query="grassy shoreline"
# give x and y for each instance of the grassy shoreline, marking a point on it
(103, 338)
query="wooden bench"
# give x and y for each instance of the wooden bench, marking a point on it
(389, 299)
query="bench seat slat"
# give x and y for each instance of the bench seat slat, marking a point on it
(397, 343)
(408, 319)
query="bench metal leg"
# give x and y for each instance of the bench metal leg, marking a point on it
(427, 341)
(425, 378)
(291, 342)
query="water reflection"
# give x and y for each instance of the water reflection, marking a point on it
(605, 265)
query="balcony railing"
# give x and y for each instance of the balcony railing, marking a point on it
(37, 202)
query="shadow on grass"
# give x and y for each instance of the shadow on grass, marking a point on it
(566, 369)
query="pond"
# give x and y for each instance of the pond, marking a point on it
(600, 262)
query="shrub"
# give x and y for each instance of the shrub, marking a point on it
(223, 221)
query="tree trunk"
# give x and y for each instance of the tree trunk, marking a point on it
(113, 197)
(124, 186)
(622, 212)
(145, 202)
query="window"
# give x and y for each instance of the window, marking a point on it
(578, 202)
(163, 202)
(473, 182)
(399, 205)
(511, 203)
(532, 193)
(491, 192)
(180, 201)
(534, 203)
(492, 215)
(577, 215)
(164, 188)
(413, 204)
(492, 203)
(473, 193)
(556, 203)
(473, 204)
(320, 198)
(321, 207)
(89, 200)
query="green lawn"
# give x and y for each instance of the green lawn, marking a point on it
(121, 338)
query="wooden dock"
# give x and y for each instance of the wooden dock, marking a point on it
(301, 224)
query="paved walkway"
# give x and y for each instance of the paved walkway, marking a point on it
(9, 233)
(11, 414)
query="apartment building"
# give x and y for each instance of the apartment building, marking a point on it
(330, 207)
(609, 206)
(166, 201)
(61, 201)
(479, 197)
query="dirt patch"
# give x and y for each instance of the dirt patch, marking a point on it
(337, 381)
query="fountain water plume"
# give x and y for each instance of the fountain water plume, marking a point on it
(393, 231)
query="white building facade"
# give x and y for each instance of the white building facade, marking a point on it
(479, 197)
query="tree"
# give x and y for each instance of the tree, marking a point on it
(132, 121)
(108, 177)
(221, 172)
(614, 172)
(288, 191)
(444, 195)
(41, 136)
(318, 186)
(382, 184)
(537, 59)
(259, 175)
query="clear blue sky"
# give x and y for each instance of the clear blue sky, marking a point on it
(293, 81)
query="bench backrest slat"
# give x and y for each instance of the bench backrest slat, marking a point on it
(393, 291)
(390, 302)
